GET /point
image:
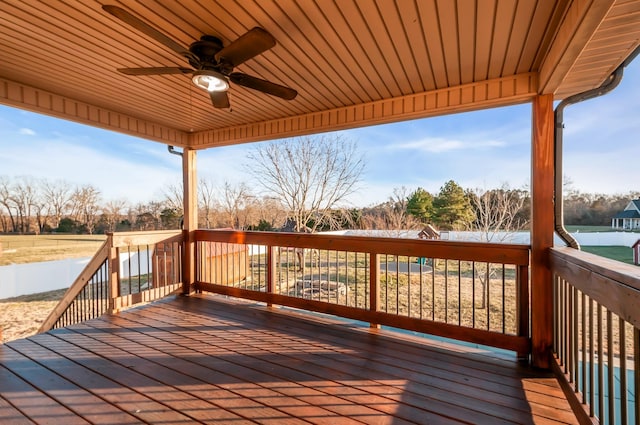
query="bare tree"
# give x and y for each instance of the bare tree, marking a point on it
(392, 216)
(234, 201)
(25, 194)
(57, 199)
(496, 213)
(271, 212)
(112, 212)
(173, 196)
(85, 201)
(309, 175)
(6, 200)
(148, 216)
(497, 218)
(207, 201)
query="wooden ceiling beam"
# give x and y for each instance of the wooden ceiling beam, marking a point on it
(491, 93)
(38, 100)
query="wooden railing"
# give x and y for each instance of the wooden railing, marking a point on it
(130, 268)
(474, 292)
(596, 335)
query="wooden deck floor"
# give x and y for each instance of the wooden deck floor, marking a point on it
(208, 359)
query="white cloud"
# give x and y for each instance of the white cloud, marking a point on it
(27, 132)
(441, 145)
(116, 176)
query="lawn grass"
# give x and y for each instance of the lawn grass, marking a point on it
(21, 249)
(620, 253)
(573, 228)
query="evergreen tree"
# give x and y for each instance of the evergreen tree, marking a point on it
(452, 207)
(420, 205)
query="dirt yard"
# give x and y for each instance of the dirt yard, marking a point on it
(21, 317)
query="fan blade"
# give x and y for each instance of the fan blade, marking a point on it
(219, 99)
(156, 71)
(250, 44)
(263, 85)
(147, 29)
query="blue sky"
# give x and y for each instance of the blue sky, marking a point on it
(483, 149)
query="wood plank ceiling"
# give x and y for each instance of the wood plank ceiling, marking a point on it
(353, 62)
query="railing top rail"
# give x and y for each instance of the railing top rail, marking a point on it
(613, 284)
(121, 239)
(625, 274)
(470, 251)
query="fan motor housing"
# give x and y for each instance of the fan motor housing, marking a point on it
(205, 49)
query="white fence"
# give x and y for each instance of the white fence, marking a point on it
(587, 239)
(23, 279)
(32, 278)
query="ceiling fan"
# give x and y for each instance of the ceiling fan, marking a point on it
(212, 63)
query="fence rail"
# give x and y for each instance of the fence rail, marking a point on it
(596, 334)
(475, 292)
(128, 269)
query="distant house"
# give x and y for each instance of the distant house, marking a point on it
(629, 218)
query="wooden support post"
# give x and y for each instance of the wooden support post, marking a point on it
(190, 219)
(542, 228)
(114, 275)
(374, 285)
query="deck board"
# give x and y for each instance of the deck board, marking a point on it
(208, 359)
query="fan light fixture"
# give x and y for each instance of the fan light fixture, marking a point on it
(210, 81)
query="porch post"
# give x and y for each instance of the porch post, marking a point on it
(542, 228)
(190, 219)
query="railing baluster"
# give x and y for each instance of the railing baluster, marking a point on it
(446, 291)
(138, 267)
(565, 326)
(409, 286)
(473, 295)
(129, 269)
(573, 338)
(610, 370)
(624, 417)
(433, 290)
(459, 292)
(271, 270)
(504, 310)
(592, 380)
(421, 289)
(583, 338)
(636, 373)
(374, 285)
(397, 261)
(600, 411)
(486, 294)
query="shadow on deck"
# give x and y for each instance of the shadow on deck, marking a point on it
(210, 359)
